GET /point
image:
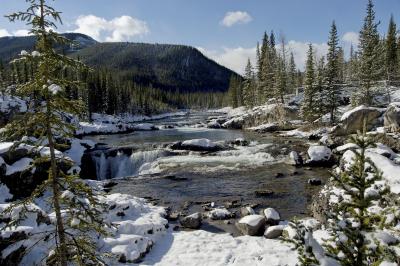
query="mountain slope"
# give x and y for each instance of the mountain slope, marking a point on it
(10, 47)
(163, 66)
(168, 67)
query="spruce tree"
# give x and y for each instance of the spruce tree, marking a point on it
(248, 85)
(391, 60)
(350, 219)
(70, 196)
(292, 74)
(332, 73)
(370, 66)
(308, 104)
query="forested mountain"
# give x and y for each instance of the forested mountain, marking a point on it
(11, 46)
(171, 67)
(168, 67)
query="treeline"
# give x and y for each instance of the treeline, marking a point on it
(104, 91)
(374, 62)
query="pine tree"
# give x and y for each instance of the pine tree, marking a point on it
(48, 125)
(319, 97)
(248, 85)
(352, 70)
(332, 79)
(308, 104)
(292, 73)
(392, 60)
(281, 73)
(369, 54)
(350, 220)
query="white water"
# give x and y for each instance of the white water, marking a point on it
(123, 165)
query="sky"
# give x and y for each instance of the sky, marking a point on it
(224, 30)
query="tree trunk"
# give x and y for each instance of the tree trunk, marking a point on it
(62, 248)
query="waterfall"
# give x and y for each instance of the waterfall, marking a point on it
(123, 165)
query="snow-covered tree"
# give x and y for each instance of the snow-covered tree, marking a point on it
(292, 74)
(77, 212)
(350, 219)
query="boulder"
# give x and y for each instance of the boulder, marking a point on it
(391, 117)
(251, 225)
(353, 120)
(244, 211)
(264, 193)
(294, 159)
(272, 217)
(192, 221)
(274, 231)
(319, 156)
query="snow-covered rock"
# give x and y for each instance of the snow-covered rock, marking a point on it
(196, 145)
(265, 128)
(272, 216)
(251, 225)
(392, 117)
(319, 155)
(220, 214)
(144, 127)
(353, 120)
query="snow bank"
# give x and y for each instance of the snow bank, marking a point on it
(204, 248)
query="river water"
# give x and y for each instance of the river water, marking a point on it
(190, 182)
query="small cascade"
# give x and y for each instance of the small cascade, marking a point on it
(122, 165)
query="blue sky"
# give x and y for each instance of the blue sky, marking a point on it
(200, 23)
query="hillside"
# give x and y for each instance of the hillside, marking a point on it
(10, 47)
(162, 66)
(168, 67)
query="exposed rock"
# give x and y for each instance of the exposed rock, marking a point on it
(274, 231)
(314, 182)
(244, 211)
(251, 225)
(353, 120)
(272, 217)
(192, 221)
(392, 117)
(279, 175)
(294, 159)
(264, 193)
(240, 142)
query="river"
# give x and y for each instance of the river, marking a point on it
(190, 182)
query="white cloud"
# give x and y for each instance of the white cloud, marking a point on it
(118, 29)
(236, 17)
(300, 50)
(236, 58)
(351, 38)
(4, 33)
(21, 33)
